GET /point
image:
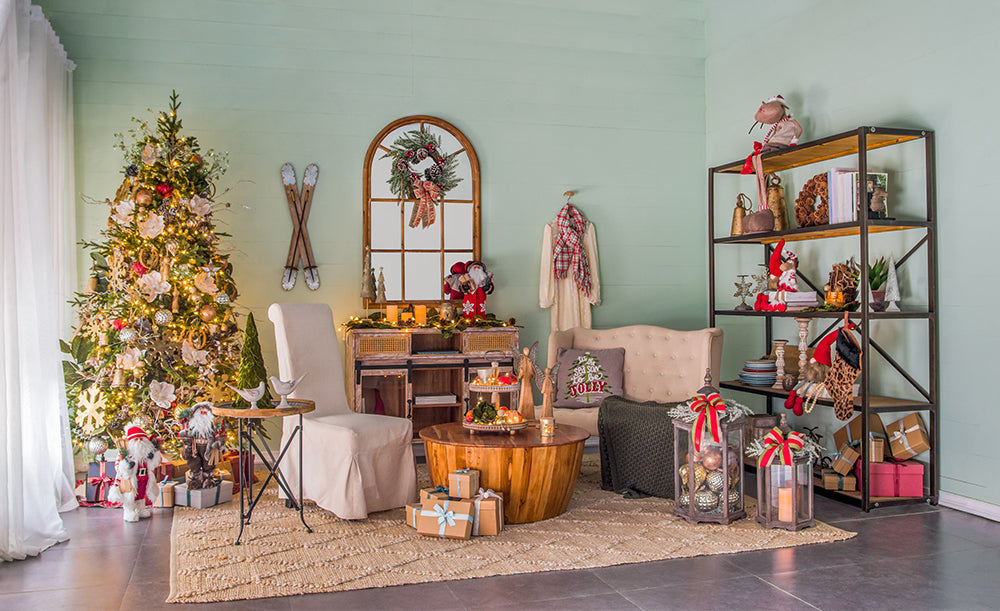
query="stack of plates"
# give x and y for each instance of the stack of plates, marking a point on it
(759, 373)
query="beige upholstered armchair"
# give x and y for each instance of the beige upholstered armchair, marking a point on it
(355, 464)
(660, 364)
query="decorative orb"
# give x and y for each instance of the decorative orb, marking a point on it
(712, 459)
(788, 382)
(683, 499)
(221, 298)
(127, 334)
(97, 445)
(143, 197)
(699, 476)
(705, 500)
(716, 481)
(207, 312)
(734, 499)
(142, 421)
(163, 317)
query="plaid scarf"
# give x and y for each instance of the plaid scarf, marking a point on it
(569, 247)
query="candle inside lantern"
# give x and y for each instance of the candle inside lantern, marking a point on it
(390, 314)
(547, 427)
(420, 314)
(786, 511)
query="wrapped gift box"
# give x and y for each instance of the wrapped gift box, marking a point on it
(894, 479)
(412, 511)
(844, 461)
(463, 483)
(851, 432)
(231, 461)
(206, 497)
(100, 476)
(437, 492)
(171, 469)
(450, 519)
(877, 452)
(828, 479)
(165, 496)
(488, 519)
(908, 437)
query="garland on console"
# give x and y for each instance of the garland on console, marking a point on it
(410, 149)
(448, 328)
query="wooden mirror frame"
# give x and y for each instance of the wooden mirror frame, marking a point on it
(473, 160)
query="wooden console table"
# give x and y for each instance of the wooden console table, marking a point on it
(405, 371)
(536, 475)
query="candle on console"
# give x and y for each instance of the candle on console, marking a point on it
(420, 314)
(786, 511)
(390, 314)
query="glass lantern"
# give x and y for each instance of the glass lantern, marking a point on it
(708, 476)
(785, 491)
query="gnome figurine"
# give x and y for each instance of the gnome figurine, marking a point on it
(135, 485)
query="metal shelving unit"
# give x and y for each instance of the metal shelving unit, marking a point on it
(855, 142)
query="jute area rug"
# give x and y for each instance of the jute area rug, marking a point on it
(278, 558)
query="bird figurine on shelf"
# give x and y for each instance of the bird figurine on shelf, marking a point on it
(251, 395)
(284, 388)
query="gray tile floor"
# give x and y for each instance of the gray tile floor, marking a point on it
(911, 557)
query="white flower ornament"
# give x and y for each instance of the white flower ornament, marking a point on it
(151, 226)
(161, 393)
(152, 285)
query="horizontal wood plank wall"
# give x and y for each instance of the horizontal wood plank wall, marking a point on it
(604, 98)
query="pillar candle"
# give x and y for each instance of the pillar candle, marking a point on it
(405, 316)
(390, 314)
(786, 511)
(420, 314)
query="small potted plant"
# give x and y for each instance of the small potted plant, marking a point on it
(877, 275)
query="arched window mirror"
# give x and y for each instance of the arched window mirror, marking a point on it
(415, 260)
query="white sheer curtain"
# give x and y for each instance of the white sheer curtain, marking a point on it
(36, 278)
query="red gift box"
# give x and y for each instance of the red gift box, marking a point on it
(233, 457)
(894, 479)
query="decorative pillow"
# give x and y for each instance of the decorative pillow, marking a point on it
(587, 376)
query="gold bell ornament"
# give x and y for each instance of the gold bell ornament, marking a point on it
(776, 202)
(743, 204)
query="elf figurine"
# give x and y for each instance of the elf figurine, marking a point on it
(782, 278)
(135, 485)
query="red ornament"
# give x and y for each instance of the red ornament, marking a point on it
(164, 189)
(118, 324)
(139, 268)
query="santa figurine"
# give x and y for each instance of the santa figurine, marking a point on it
(453, 281)
(475, 284)
(135, 484)
(203, 441)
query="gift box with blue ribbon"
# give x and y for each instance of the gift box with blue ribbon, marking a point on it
(463, 483)
(222, 492)
(451, 519)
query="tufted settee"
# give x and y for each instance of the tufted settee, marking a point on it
(660, 364)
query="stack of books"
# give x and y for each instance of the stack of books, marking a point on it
(800, 299)
(845, 194)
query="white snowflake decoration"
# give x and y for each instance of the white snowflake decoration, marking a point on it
(89, 416)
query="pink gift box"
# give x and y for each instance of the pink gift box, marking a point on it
(894, 479)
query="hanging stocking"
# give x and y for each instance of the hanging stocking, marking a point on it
(840, 379)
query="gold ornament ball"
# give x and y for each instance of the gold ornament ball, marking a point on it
(716, 481)
(734, 499)
(143, 197)
(208, 312)
(127, 334)
(142, 421)
(163, 317)
(97, 445)
(699, 476)
(705, 500)
(683, 499)
(712, 459)
(221, 298)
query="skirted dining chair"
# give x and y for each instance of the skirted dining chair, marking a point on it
(355, 464)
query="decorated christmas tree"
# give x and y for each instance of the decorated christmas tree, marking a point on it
(251, 371)
(157, 328)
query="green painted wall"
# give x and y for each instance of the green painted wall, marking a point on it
(603, 98)
(892, 63)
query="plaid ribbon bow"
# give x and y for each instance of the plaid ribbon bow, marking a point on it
(569, 250)
(423, 211)
(708, 409)
(775, 442)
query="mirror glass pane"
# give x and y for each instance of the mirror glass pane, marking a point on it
(422, 238)
(423, 276)
(391, 267)
(385, 226)
(457, 226)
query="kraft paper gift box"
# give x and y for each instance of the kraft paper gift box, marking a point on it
(171, 469)
(894, 478)
(488, 520)
(412, 511)
(463, 483)
(450, 519)
(828, 479)
(908, 437)
(437, 492)
(851, 432)
(100, 476)
(206, 497)
(844, 461)
(877, 452)
(165, 496)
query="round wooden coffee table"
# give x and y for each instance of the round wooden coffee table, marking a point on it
(536, 475)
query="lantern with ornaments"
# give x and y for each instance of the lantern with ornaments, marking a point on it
(708, 457)
(784, 477)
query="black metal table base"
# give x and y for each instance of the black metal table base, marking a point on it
(246, 433)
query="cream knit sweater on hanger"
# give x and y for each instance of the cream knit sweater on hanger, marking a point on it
(570, 306)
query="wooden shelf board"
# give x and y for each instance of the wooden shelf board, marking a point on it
(423, 405)
(824, 149)
(913, 314)
(821, 231)
(876, 402)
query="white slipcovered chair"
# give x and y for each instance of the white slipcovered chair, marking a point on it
(355, 464)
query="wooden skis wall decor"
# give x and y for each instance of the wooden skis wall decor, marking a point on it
(300, 248)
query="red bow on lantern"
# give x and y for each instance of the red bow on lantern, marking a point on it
(775, 441)
(708, 409)
(423, 211)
